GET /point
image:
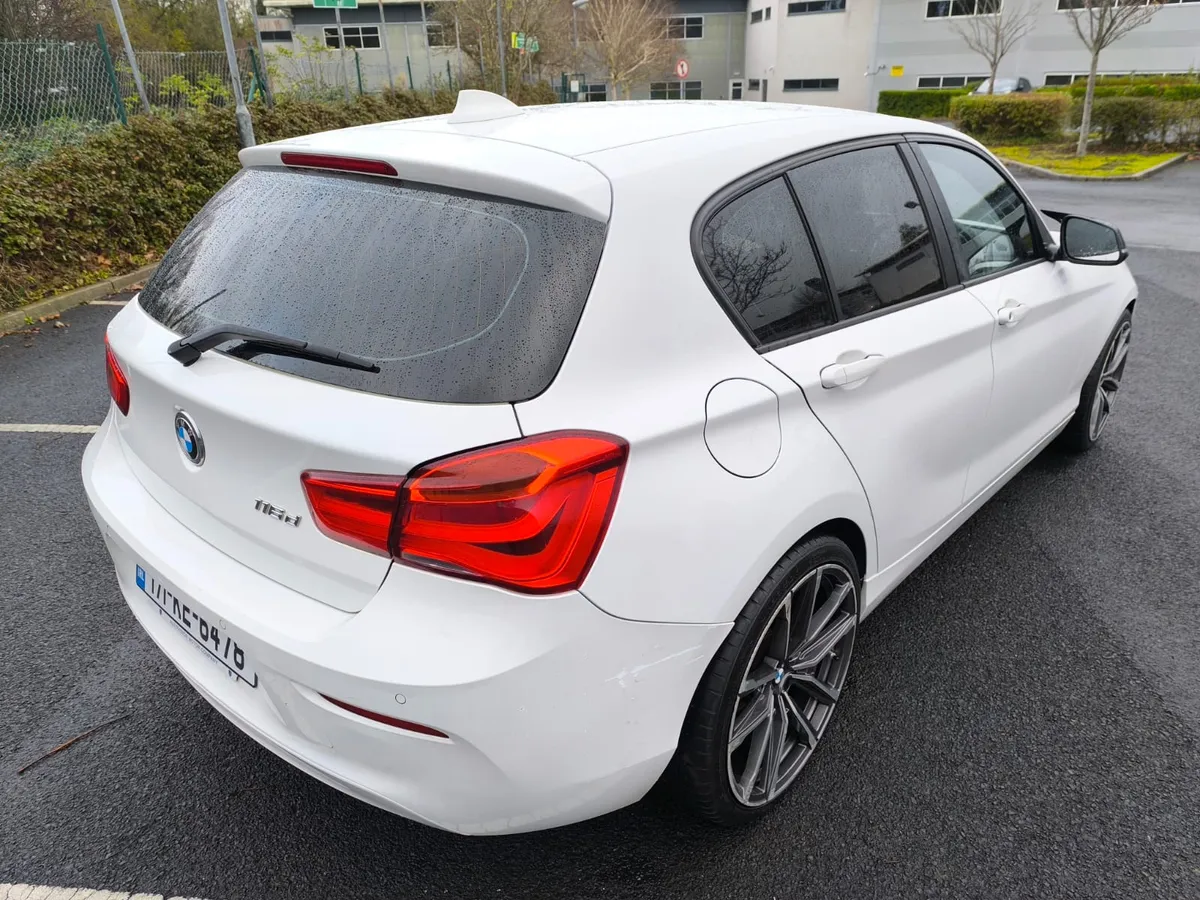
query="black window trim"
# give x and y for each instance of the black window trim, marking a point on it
(934, 211)
(1042, 239)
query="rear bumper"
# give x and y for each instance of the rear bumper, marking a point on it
(555, 711)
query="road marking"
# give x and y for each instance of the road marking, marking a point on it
(49, 429)
(44, 892)
(108, 303)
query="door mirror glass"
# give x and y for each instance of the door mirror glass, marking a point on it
(1091, 243)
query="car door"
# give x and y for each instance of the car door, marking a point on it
(1040, 308)
(903, 378)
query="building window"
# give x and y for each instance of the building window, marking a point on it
(955, 9)
(767, 13)
(816, 6)
(675, 90)
(756, 16)
(753, 84)
(948, 81)
(277, 37)
(810, 84)
(439, 35)
(365, 37)
(595, 92)
(685, 28)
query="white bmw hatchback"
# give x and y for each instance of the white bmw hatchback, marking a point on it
(487, 466)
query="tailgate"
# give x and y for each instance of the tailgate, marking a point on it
(261, 429)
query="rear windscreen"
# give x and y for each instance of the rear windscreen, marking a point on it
(458, 298)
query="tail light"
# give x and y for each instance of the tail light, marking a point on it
(528, 515)
(118, 384)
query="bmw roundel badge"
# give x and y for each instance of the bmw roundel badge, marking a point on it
(189, 438)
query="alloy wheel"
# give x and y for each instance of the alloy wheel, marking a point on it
(1110, 381)
(791, 684)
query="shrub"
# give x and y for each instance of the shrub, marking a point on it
(117, 199)
(1134, 121)
(1180, 88)
(929, 104)
(1012, 116)
(1122, 121)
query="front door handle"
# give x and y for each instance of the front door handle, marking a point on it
(841, 374)
(1011, 313)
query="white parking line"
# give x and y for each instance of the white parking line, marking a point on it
(43, 892)
(50, 429)
(107, 302)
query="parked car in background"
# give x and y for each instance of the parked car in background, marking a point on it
(487, 466)
(1005, 86)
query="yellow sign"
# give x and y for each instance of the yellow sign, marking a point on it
(897, 71)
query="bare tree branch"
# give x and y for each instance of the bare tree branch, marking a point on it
(630, 39)
(547, 20)
(994, 36)
(1100, 24)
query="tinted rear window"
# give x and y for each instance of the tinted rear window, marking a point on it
(460, 298)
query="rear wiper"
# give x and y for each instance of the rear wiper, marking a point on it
(188, 349)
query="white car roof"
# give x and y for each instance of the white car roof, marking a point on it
(562, 155)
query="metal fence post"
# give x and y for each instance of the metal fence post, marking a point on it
(112, 74)
(387, 53)
(260, 63)
(408, 64)
(358, 71)
(137, 75)
(449, 77)
(244, 125)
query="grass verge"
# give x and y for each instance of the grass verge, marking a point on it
(1062, 160)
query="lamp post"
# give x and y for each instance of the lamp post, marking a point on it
(500, 47)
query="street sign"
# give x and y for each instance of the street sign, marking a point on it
(682, 68)
(524, 43)
(331, 4)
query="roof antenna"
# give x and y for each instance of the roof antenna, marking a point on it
(481, 106)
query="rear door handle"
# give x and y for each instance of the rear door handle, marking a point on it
(841, 374)
(1011, 313)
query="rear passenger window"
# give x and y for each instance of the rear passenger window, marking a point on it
(761, 260)
(866, 214)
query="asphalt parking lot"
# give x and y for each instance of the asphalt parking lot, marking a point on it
(1022, 718)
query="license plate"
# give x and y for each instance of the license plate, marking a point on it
(216, 641)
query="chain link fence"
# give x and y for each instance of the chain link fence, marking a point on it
(178, 81)
(56, 92)
(51, 93)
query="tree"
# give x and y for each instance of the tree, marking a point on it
(64, 20)
(993, 36)
(179, 25)
(1099, 24)
(475, 20)
(629, 38)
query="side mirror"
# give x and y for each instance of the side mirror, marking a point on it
(1091, 243)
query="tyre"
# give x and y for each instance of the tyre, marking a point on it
(769, 693)
(1099, 392)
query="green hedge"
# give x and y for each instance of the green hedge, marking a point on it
(1177, 88)
(1124, 122)
(1012, 116)
(118, 199)
(928, 104)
